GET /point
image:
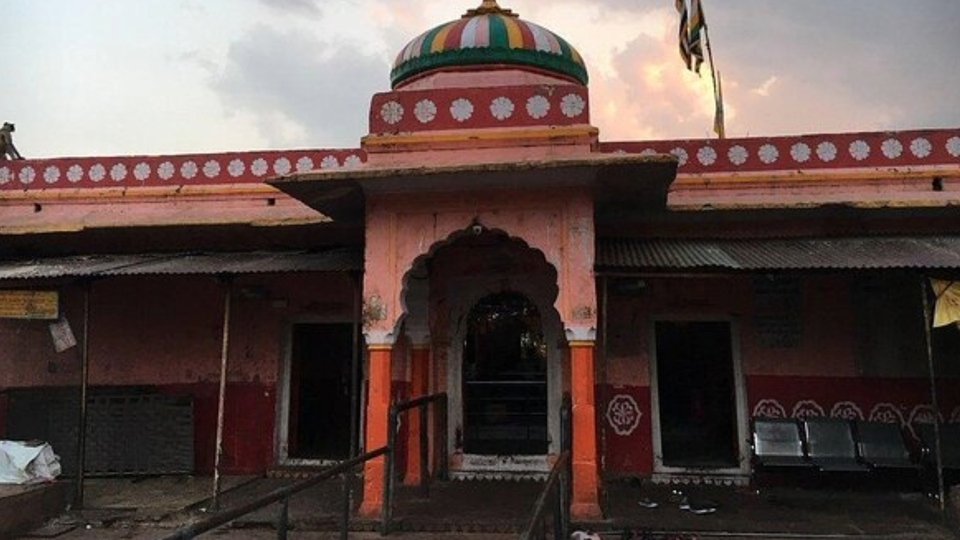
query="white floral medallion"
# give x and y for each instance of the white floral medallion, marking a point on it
(118, 172)
(165, 170)
(572, 105)
(27, 175)
(51, 174)
(738, 155)
(5, 175)
(887, 413)
(189, 170)
(391, 112)
(259, 167)
(97, 172)
(953, 146)
(800, 152)
(538, 107)
(707, 155)
(329, 162)
(921, 147)
(141, 171)
(826, 151)
(681, 155)
(236, 167)
(282, 166)
(768, 154)
(924, 414)
(807, 408)
(74, 173)
(859, 150)
(501, 108)
(623, 414)
(352, 162)
(769, 408)
(647, 152)
(211, 169)
(891, 148)
(461, 109)
(304, 164)
(425, 110)
(847, 410)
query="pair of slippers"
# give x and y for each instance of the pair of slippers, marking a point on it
(685, 505)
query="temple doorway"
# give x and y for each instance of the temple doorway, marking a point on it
(486, 302)
(505, 378)
(316, 415)
(696, 395)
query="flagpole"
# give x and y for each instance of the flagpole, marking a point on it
(717, 96)
(927, 326)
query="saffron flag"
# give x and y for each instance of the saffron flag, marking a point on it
(947, 309)
(683, 35)
(718, 121)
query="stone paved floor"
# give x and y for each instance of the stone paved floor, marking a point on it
(473, 510)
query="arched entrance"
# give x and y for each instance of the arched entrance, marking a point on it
(485, 303)
(504, 378)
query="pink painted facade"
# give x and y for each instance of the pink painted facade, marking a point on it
(478, 181)
(822, 374)
(164, 332)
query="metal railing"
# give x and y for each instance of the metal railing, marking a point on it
(557, 492)
(283, 496)
(557, 488)
(439, 401)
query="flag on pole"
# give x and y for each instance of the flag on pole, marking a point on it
(718, 121)
(696, 27)
(694, 39)
(683, 34)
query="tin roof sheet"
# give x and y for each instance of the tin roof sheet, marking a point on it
(337, 260)
(851, 253)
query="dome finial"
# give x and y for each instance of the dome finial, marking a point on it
(489, 6)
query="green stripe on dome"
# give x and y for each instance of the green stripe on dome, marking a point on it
(499, 39)
(427, 44)
(483, 56)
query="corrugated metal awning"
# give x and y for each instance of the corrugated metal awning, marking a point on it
(258, 262)
(852, 253)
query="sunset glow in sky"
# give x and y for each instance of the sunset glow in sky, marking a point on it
(101, 77)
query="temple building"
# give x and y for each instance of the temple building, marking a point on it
(485, 242)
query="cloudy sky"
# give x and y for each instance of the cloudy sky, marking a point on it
(98, 77)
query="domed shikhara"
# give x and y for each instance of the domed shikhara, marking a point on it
(488, 36)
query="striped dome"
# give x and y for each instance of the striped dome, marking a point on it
(484, 36)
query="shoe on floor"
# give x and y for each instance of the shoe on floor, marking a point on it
(648, 503)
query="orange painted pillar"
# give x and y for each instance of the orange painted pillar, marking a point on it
(419, 381)
(586, 481)
(378, 409)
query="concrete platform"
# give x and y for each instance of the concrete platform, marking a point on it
(23, 508)
(151, 508)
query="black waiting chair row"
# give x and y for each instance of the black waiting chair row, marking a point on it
(831, 444)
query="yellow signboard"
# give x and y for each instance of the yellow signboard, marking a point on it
(29, 305)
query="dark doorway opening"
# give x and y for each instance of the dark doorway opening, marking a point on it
(697, 394)
(319, 420)
(505, 378)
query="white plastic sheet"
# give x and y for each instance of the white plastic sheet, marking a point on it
(27, 463)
